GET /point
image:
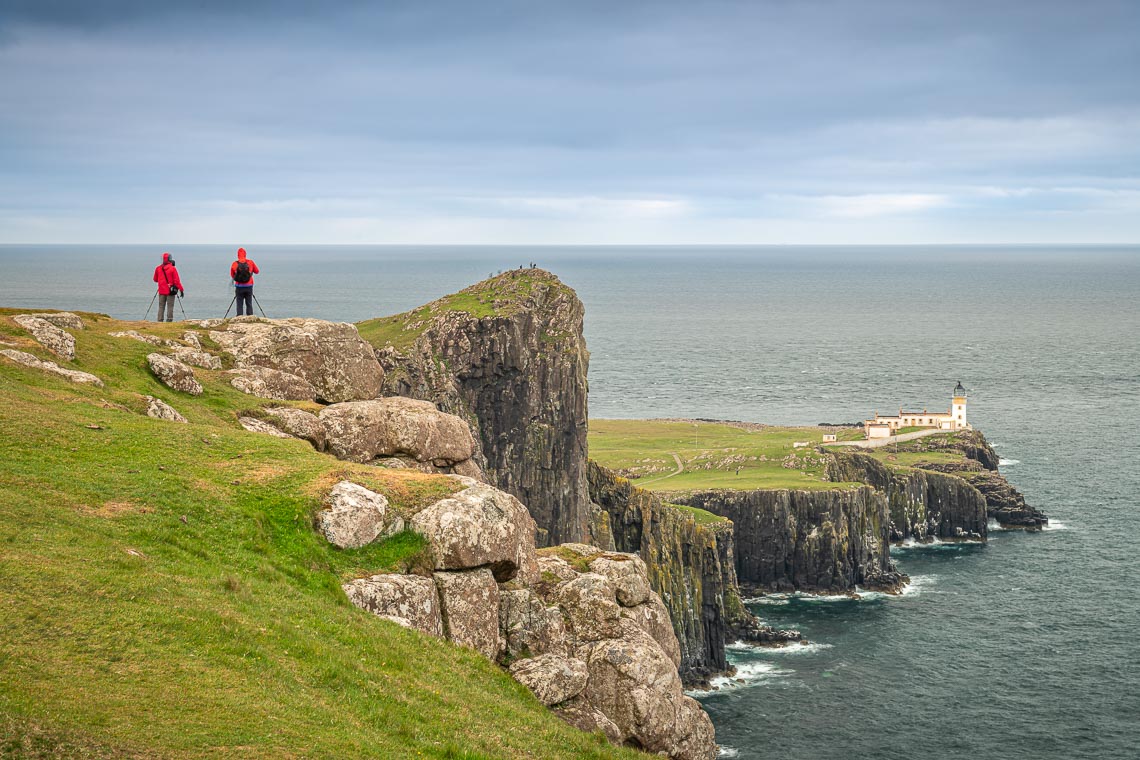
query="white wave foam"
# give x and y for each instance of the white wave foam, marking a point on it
(993, 526)
(1008, 462)
(747, 674)
(792, 647)
(726, 751)
(1055, 525)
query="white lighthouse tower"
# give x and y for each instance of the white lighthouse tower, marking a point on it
(958, 409)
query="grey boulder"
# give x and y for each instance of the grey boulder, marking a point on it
(470, 606)
(552, 678)
(160, 410)
(480, 526)
(29, 360)
(48, 335)
(361, 431)
(409, 600)
(174, 374)
(271, 383)
(355, 516)
(330, 356)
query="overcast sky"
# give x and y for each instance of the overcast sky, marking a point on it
(570, 122)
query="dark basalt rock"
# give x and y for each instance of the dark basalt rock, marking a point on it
(518, 376)
(818, 541)
(924, 505)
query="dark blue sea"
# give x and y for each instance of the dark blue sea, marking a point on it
(1026, 647)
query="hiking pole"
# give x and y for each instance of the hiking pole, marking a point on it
(259, 306)
(151, 304)
(232, 301)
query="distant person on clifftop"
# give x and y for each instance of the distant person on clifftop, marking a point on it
(169, 286)
(242, 272)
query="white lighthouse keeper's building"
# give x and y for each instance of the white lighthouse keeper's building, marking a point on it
(955, 419)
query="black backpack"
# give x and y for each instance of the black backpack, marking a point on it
(242, 275)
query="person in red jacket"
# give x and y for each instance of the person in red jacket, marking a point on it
(169, 286)
(242, 272)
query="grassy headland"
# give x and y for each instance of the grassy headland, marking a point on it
(687, 455)
(163, 593)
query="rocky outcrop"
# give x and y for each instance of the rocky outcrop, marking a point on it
(299, 424)
(330, 356)
(48, 335)
(196, 357)
(361, 431)
(160, 410)
(690, 566)
(29, 360)
(271, 383)
(62, 319)
(354, 516)
(826, 541)
(174, 374)
(480, 526)
(923, 505)
(152, 340)
(409, 600)
(1004, 503)
(599, 652)
(552, 678)
(507, 355)
(254, 425)
(469, 600)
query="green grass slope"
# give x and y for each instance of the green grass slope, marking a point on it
(711, 453)
(163, 593)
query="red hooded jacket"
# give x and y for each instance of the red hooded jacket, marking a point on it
(166, 274)
(252, 268)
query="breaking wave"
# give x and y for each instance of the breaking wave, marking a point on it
(747, 674)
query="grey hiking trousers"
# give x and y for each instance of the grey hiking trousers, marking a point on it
(166, 305)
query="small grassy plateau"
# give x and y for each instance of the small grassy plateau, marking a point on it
(163, 592)
(688, 455)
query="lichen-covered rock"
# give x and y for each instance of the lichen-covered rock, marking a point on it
(578, 712)
(207, 323)
(48, 335)
(552, 678)
(271, 383)
(192, 338)
(628, 575)
(470, 606)
(355, 516)
(480, 526)
(174, 374)
(552, 571)
(254, 425)
(361, 431)
(197, 358)
(299, 423)
(62, 319)
(528, 626)
(652, 617)
(330, 356)
(518, 376)
(152, 340)
(160, 410)
(590, 606)
(410, 600)
(29, 360)
(634, 684)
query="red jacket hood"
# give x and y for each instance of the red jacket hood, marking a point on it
(241, 254)
(166, 258)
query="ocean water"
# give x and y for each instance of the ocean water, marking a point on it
(1027, 647)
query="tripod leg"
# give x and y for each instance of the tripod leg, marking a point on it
(259, 306)
(149, 307)
(232, 301)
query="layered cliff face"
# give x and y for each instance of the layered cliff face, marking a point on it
(818, 541)
(1004, 503)
(508, 356)
(923, 504)
(691, 564)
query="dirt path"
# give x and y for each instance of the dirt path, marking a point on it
(678, 471)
